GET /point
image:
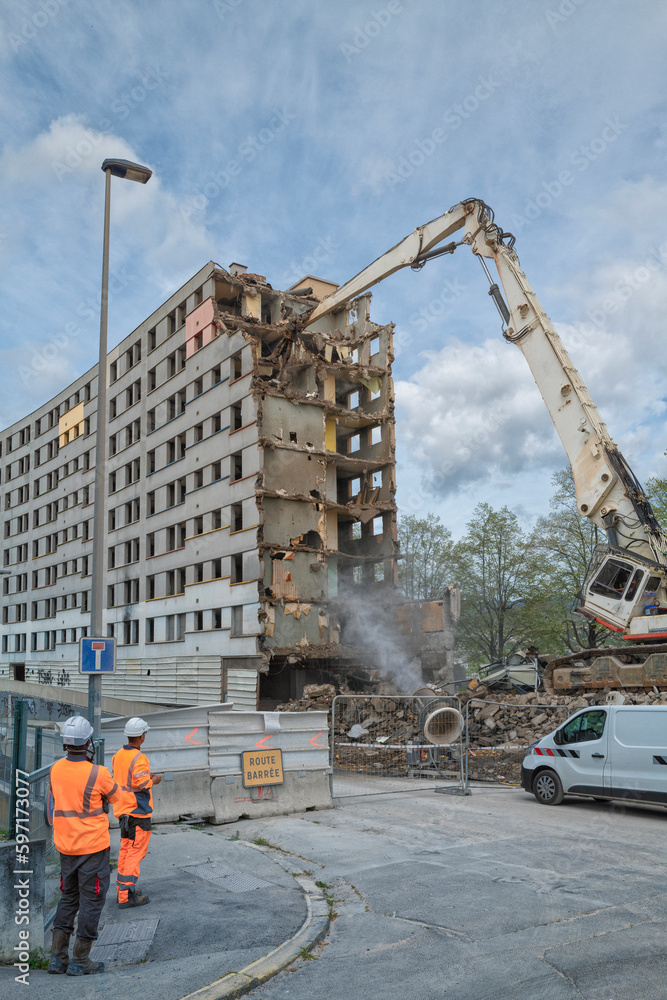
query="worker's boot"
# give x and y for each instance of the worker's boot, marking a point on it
(133, 899)
(81, 964)
(59, 952)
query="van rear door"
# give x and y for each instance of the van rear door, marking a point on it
(638, 753)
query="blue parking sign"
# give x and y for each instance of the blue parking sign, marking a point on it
(97, 656)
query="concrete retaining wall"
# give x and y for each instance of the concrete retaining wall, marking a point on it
(28, 899)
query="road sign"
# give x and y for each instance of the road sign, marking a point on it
(97, 656)
(262, 767)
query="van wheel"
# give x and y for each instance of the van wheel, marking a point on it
(548, 788)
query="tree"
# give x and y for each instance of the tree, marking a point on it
(567, 542)
(502, 593)
(657, 493)
(426, 570)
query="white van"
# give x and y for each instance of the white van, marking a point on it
(607, 752)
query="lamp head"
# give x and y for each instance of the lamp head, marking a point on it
(130, 171)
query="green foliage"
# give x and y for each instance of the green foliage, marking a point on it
(657, 494)
(426, 570)
(503, 599)
(567, 541)
(38, 960)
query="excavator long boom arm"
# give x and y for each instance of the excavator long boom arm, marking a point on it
(607, 491)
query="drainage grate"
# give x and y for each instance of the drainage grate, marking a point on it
(124, 943)
(228, 878)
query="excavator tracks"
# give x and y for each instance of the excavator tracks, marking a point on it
(639, 667)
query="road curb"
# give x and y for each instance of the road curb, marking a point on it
(313, 929)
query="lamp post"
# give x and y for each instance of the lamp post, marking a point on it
(131, 172)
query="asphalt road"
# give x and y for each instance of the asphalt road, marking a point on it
(484, 897)
(487, 897)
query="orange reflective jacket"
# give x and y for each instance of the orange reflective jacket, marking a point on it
(80, 825)
(131, 771)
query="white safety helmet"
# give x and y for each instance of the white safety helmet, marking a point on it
(76, 732)
(136, 727)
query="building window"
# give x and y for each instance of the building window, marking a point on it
(236, 466)
(150, 630)
(216, 619)
(236, 365)
(199, 621)
(375, 435)
(236, 418)
(237, 620)
(236, 519)
(237, 568)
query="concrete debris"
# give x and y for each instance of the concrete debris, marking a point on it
(356, 732)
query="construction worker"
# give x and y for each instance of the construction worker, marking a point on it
(133, 810)
(81, 834)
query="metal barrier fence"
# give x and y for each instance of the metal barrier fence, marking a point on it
(383, 736)
(494, 752)
(390, 737)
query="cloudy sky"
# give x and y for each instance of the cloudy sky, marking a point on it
(297, 136)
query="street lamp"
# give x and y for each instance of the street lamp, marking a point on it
(131, 172)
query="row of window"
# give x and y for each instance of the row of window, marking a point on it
(48, 420)
(47, 543)
(42, 641)
(166, 628)
(49, 481)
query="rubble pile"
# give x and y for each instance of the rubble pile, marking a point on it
(500, 725)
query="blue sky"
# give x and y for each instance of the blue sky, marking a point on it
(297, 137)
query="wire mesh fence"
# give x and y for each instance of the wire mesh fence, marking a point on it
(498, 733)
(400, 737)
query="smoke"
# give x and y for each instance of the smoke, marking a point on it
(371, 624)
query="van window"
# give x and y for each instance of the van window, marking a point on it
(612, 579)
(585, 727)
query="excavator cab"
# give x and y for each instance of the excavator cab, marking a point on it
(620, 587)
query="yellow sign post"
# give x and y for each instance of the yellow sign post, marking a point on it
(262, 767)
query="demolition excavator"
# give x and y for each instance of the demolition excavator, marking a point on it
(626, 585)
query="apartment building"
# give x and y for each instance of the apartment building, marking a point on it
(250, 506)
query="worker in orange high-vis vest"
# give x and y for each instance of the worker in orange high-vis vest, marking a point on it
(134, 811)
(81, 833)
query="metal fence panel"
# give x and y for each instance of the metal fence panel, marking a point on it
(382, 736)
(493, 759)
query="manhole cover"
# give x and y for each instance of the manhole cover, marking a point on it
(124, 943)
(228, 878)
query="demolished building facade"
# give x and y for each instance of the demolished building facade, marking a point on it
(250, 512)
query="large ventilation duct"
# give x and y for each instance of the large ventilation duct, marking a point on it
(443, 725)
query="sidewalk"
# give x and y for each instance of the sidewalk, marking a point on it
(216, 906)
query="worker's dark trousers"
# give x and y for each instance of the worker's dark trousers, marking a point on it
(84, 882)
